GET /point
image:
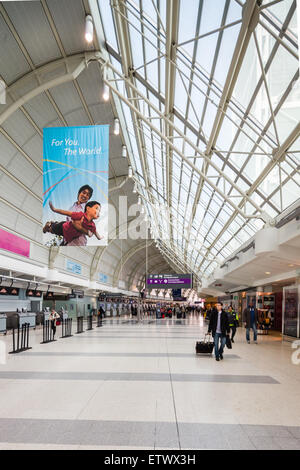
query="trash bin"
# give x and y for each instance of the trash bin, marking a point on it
(39, 318)
(12, 320)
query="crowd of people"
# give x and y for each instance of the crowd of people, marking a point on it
(223, 321)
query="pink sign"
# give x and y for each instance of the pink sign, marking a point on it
(13, 243)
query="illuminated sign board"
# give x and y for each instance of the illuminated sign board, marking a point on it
(170, 281)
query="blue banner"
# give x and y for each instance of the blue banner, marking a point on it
(75, 185)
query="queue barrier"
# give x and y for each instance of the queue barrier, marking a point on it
(21, 343)
(79, 325)
(48, 335)
(66, 326)
(89, 322)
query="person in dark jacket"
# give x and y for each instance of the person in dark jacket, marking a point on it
(233, 319)
(219, 327)
(250, 316)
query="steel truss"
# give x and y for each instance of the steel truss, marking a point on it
(156, 132)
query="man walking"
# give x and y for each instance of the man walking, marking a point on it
(233, 319)
(250, 316)
(219, 327)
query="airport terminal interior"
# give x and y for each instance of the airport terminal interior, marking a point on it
(150, 225)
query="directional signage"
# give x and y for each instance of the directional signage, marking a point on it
(170, 281)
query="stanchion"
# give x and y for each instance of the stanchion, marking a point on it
(66, 328)
(89, 322)
(79, 325)
(99, 321)
(22, 339)
(48, 335)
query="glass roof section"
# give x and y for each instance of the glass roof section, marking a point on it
(210, 95)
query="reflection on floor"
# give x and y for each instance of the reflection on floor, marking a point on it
(139, 385)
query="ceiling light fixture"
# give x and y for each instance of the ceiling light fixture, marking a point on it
(124, 151)
(89, 28)
(130, 172)
(105, 94)
(267, 272)
(116, 126)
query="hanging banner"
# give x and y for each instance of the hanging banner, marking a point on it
(75, 185)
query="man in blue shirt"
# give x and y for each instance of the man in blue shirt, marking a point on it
(250, 316)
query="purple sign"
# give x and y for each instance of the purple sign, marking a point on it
(170, 281)
(13, 243)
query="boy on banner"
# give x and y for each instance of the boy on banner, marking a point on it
(68, 229)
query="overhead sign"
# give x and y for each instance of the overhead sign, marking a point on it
(103, 278)
(176, 293)
(14, 291)
(4, 290)
(48, 296)
(170, 281)
(9, 291)
(33, 293)
(75, 174)
(77, 292)
(72, 267)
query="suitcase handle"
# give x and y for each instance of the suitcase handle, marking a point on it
(205, 337)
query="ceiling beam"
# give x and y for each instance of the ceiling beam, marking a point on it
(250, 20)
(126, 256)
(172, 20)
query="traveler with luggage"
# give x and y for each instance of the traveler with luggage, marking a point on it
(183, 311)
(178, 311)
(53, 318)
(101, 312)
(250, 316)
(233, 319)
(219, 327)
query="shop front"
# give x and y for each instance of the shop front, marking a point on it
(291, 311)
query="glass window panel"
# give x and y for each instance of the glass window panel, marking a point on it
(228, 42)
(280, 10)
(290, 193)
(108, 23)
(210, 115)
(187, 24)
(234, 12)
(205, 50)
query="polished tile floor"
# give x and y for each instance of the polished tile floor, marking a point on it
(132, 385)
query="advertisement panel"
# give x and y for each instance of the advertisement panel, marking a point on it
(75, 185)
(14, 244)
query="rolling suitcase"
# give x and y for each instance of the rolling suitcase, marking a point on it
(206, 346)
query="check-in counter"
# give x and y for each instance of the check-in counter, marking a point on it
(28, 317)
(3, 327)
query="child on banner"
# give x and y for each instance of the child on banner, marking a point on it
(68, 229)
